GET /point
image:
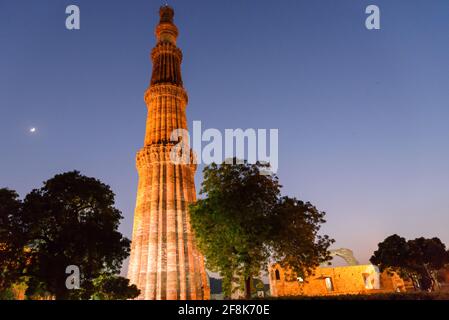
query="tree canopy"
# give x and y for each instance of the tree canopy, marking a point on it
(295, 240)
(112, 287)
(419, 259)
(243, 221)
(70, 221)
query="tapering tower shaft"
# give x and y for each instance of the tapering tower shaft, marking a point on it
(165, 263)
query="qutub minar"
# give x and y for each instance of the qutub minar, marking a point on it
(165, 263)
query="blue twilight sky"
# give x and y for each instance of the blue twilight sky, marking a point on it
(363, 116)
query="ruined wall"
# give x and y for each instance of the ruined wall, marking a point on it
(359, 279)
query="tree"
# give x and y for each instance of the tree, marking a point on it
(295, 242)
(418, 259)
(393, 254)
(112, 287)
(427, 256)
(12, 256)
(242, 217)
(72, 220)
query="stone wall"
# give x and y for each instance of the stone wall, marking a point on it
(359, 279)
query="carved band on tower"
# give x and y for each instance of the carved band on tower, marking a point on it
(164, 262)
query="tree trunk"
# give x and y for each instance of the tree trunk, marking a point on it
(415, 287)
(248, 288)
(430, 276)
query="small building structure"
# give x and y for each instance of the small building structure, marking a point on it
(333, 281)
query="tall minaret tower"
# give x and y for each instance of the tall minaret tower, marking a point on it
(165, 263)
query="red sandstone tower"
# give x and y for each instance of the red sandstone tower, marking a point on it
(165, 263)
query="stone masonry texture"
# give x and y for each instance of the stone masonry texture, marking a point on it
(165, 263)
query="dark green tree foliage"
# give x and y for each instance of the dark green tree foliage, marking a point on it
(418, 259)
(242, 220)
(295, 241)
(72, 220)
(12, 239)
(111, 287)
(393, 252)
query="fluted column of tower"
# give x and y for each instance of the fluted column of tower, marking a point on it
(164, 262)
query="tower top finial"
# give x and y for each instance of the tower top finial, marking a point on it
(166, 13)
(166, 31)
